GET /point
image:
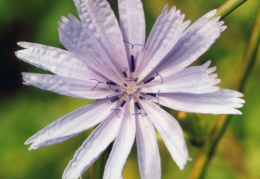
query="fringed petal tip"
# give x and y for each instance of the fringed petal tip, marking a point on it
(29, 141)
(211, 13)
(33, 147)
(206, 64)
(68, 174)
(219, 23)
(216, 20)
(188, 158)
(165, 9)
(25, 44)
(33, 141)
(29, 78)
(26, 77)
(38, 143)
(183, 166)
(238, 94)
(185, 161)
(72, 17)
(221, 101)
(64, 21)
(222, 28)
(17, 54)
(234, 101)
(238, 101)
(186, 23)
(210, 70)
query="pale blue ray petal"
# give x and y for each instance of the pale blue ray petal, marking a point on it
(147, 149)
(58, 61)
(99, 19)
(170, 131)
(196, 79)
(96, 143)
(166, 31)
(71, 125)
(68, 86)
(132, 23)
(122, 146)
(202, 69)
(195, 40)
(223, 101)
(81, 43)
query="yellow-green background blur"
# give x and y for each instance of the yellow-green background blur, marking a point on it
(24, 109)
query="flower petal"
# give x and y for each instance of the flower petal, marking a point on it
(223, 101)
(99, 19)
(196, 79)
(147, 149)
(195, 40)
(68, 86)
(170, 131)
(58, 61)
(164, 35)
(81, 43)
(96, 143)
(122, 145)
(71, 125)
(132, 23)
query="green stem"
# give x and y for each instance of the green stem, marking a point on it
(228, 7)
(247, 63)
(98, 167)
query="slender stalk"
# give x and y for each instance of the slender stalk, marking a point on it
(222, 122)
(93, 170)
(98, 167)
(228, 7)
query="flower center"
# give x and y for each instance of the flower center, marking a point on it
(129, 88)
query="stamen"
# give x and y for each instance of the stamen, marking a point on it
(118, 109)
(138, 106)
(116, 92)
(157, 74)
(132, 56)
(139, 110)
(155, 95)
(149, 80)
(133, 79)
(110, 87)
(98, 82)
(113, 99)
(158, 97)
(132, 44)
(152, 94)
(146, 96)
(129, 78)
(126, 94)
(132, 63)
(123, 103)
(152, 78)
(110, 82)
(141, 97)
(132, 95)
(124, 72)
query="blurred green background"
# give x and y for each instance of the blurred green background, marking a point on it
(24, 110)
